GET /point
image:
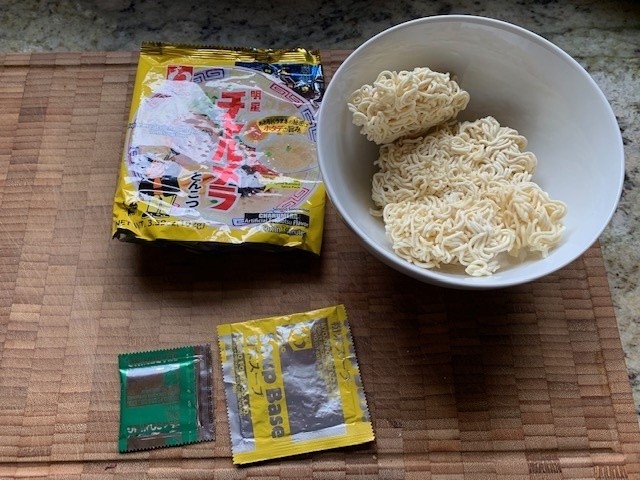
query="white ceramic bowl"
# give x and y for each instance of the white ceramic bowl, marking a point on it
(522, 80)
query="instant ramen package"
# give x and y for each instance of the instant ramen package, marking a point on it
(221, 149)
(292, 385)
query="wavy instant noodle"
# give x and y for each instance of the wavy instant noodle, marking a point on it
(405, 103)
(463, 195)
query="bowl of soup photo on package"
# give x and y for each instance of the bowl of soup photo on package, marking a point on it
(468, 152)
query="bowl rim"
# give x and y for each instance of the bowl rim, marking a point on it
(464, 282)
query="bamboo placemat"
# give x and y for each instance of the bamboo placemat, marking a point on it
(526, 382)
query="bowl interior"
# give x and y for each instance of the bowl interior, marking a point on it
(511, 74)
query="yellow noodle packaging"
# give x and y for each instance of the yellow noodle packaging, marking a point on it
(292, 385)
(220, 149)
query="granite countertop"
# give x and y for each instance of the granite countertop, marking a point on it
(603, 36)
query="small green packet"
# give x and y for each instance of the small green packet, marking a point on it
(165, 398)
(292, 385)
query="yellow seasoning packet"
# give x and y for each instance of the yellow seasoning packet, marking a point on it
(220, 149)
(292, 385)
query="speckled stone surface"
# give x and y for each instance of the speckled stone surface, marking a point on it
(604, 36)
